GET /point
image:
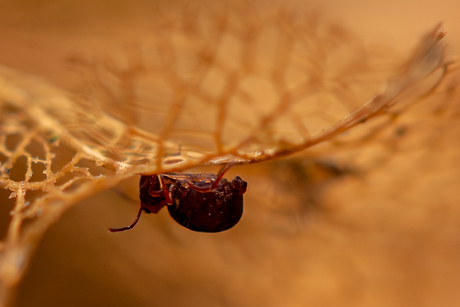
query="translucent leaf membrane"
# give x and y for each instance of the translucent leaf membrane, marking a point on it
(225, 89)
(208, 89)
(234, 89)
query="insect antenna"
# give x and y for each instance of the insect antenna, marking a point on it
(130, 226)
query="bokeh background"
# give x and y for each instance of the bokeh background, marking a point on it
(373, 225)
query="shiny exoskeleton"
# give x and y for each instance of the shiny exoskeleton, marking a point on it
(196, 201)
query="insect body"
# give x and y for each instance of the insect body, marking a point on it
(199, 202)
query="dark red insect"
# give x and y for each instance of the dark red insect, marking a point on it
(199, 202)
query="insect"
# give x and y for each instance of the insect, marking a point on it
(199, 202)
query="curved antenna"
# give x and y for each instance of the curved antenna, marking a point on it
(130, 226)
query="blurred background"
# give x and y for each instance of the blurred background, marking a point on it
(371, 225)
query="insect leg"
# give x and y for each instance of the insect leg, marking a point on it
(130, 226)
(221, 174)
(164, 191)
(214, 185)
(161, 191)
(169, 194)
